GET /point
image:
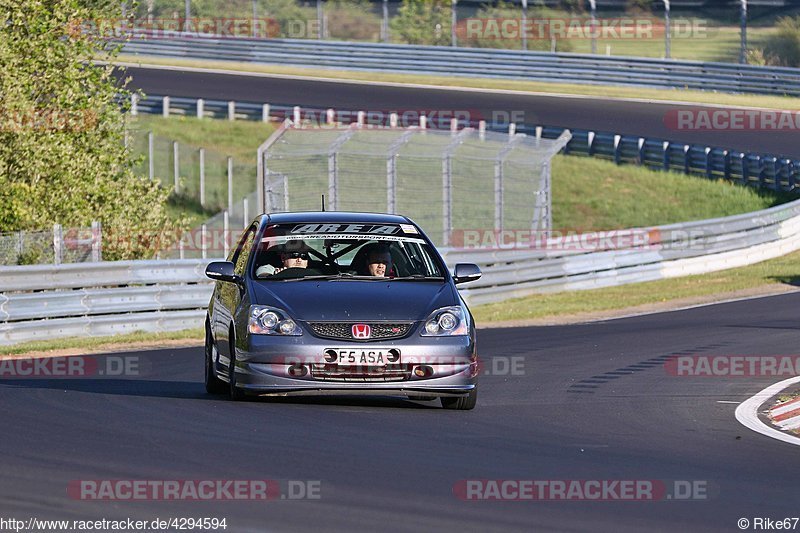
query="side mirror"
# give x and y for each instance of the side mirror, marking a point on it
(222, 271)
(466, 272)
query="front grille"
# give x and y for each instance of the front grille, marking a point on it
(344, 331)
(361, 374)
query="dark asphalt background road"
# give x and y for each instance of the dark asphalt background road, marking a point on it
(634, 118)
(594, 402)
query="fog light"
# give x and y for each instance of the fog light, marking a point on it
(297, 371)
(423, 371)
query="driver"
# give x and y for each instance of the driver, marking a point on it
(293, 254)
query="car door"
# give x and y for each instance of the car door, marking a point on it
(229, 295)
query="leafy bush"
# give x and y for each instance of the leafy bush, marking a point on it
(783, 47)
(505, 10)
(352, 20)
(422, 22)
(62, 153)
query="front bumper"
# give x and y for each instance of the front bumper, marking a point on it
(428, 366)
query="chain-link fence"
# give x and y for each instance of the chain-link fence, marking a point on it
(447, 182)
(56, 246)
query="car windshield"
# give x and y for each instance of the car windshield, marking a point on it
(376, 252)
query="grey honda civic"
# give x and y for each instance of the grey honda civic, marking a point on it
(321, 303)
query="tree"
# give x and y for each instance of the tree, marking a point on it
(62, 153)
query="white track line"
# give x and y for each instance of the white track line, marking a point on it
(436, 87)
(747, 412)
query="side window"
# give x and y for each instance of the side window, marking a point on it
(242, 252)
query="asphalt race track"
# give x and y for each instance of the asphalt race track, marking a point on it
(633, 118)
(586, 402)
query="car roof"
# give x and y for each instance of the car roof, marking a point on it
(336, 216)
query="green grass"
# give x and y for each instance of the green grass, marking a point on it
(594, 194)
(220, 139)
(96, 344)
(782, 270)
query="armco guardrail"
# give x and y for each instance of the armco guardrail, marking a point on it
(106, 298)
(44, 301)
(759, 170)
(478, 62)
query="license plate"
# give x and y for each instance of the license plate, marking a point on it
(349, 357)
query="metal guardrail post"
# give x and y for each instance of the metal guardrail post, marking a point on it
(665, 147)
(265, 113)
(203, 241)
(590, 137)
(296, 115)
(709, 173)
(134, 104)
(687, 158)
(165, 106)
(231, 110)
(726, 164)
(641, 157)
(617, 149)
(201, 108)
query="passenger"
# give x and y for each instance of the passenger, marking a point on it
(379, 260)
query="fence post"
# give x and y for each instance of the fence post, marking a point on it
(265, 113)
(181, 249)
(726, 162)
(245, 212)
(150, 150)
(641, 151)
(200, 108)
(176, 169)
(58, 244)
(225, 231)
(231, 110)
(745, 168)
(165, 106)
(230, 184)
(687, 158)
(20, 244)
(202, 177)
(286, 193)
(203, 244)
(97, 242)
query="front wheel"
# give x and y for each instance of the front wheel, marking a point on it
(461, 403)
(214, 385)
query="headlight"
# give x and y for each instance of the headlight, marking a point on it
(271, 321)
(447, 321)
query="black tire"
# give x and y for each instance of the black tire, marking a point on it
(461, 403)
(214, 385)
(236, 394)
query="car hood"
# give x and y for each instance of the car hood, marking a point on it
(348, 300)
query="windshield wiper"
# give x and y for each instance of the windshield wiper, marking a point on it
(416, 277)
